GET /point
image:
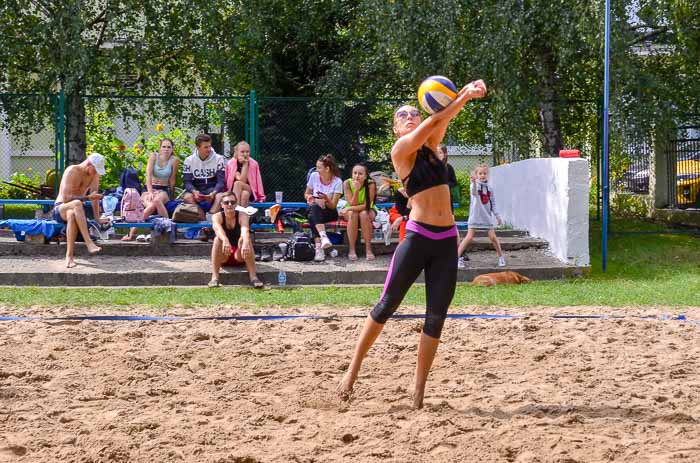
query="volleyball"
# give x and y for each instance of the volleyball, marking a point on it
(435, 93)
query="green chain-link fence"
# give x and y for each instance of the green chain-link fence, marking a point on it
(29, 147)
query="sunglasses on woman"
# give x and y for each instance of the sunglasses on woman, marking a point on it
(405, 114)
(228, 203)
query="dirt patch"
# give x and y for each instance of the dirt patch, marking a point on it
(534, 389)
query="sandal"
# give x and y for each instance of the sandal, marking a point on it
(214, 284)
(352, 256)
(370, 257)
(257, 284)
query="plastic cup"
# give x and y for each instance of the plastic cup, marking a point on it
(278, 197)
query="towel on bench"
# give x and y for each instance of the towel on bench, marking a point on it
(21, 228)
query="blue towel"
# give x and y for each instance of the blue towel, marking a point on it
(21, 228)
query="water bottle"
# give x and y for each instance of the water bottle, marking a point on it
(282, 278)
(334, 253)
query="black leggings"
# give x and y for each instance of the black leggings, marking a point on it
(318, 215)
(430, 248)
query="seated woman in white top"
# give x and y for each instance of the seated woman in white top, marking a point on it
(360, 192)
(323, 191)
(161, 173)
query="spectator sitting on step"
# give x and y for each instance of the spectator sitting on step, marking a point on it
(161, 173)
(80, 182)
(232, 244)
(243, 175)
(360, 192)
(323, 190)
(204, 177)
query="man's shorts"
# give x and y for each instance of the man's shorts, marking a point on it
(57, 213)
(231, 261)
(204, 205)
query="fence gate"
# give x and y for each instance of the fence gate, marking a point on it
(684, 169)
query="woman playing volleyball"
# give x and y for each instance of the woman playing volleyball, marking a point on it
(431, 237)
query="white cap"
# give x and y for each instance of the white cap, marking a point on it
(98, 162)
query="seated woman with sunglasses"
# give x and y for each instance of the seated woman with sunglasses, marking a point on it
(232, 244)
(430, 244)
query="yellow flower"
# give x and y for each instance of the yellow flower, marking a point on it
(90, 148)
(138, 150)
(122, 147)
(29, 169)
(115, 148)
(159, 127)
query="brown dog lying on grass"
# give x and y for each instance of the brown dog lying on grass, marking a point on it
(500, 278)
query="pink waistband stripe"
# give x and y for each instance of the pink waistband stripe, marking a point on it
(421, 230)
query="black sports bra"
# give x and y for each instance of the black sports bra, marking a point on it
(428, 171)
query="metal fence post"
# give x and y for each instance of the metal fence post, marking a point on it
(253, 124)
(61, 136)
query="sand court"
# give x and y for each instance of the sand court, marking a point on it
(532, 389)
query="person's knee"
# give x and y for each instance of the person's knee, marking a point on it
(70, 215)
(384, 309)
(188, 198)
(434, 321)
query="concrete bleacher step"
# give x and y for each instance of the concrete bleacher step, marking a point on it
(195, 248)
(105, 270)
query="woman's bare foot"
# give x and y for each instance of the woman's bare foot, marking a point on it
(370, 255)
(70, 263)
(418, 399)
(352, 256)
(94, 249)
(344, 389)
(127, 238)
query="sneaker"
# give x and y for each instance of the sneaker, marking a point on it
(320, 255)
(461, 263)
(502, 261)
(325, 242)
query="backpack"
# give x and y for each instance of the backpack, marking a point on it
(300, 248)
(132, 208)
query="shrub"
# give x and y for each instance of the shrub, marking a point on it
(30, 179)
(101, 138)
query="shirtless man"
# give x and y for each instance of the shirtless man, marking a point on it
(79, 183)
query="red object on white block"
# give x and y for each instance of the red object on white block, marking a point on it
(569, 154)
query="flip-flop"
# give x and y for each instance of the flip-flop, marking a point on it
(257, 284)
(214, 284)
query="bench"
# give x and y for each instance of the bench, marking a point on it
(338, 225)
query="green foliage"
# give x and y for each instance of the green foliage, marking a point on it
(29, 178)
(101, 139)
(463, 181)
(627, 206)
(19, 211)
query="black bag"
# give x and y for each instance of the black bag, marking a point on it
(300, 248)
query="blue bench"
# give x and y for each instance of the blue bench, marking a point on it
(46, 203)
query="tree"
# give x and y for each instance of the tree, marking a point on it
(122, 47)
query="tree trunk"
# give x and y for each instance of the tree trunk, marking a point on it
(549, 115)
(75, 129)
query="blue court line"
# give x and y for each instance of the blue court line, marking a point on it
(663, 317)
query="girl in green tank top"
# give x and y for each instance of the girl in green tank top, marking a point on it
(360, 192)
